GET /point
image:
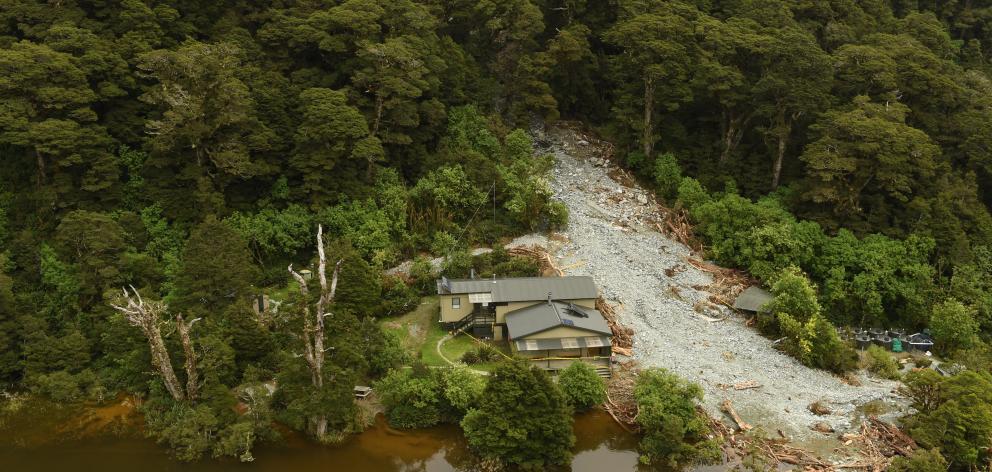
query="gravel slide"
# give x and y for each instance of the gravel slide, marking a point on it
(609, 237)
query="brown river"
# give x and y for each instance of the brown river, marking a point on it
(601, 445)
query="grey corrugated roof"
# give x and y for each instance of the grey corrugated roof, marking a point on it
(456, 286)
(752, 299)
(544, 316)
(524, 289)
(537, 288)
(555, 343)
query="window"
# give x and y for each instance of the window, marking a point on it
(456, 302)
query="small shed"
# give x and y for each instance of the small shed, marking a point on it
(753, 299)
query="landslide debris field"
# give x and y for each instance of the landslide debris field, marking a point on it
(611, 236)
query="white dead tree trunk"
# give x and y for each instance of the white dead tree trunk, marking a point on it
(148, 316)
(313, 327)
(192, 379)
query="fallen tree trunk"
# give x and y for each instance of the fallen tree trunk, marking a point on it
(728, 408)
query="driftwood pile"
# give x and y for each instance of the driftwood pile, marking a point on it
(676, 225)
(620, 401)
(727, 283)
(539, 255)
(623, 336)
(877, 443)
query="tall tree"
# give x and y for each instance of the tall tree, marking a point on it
(331, 139)
(46, 112)
(658, 43)
(867, 150)
(313, 325)
(208, 127)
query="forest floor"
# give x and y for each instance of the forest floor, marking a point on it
(611, 235)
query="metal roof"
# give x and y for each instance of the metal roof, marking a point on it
(523, 289)
(559, 343)
(544, 316)
(753, 299)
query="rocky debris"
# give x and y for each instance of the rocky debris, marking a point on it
(654, 282)
(822, 427)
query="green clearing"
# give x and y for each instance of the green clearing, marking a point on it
(420, 332)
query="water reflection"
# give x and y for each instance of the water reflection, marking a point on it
(601, 445)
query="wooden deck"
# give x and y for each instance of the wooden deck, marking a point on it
(560, 363)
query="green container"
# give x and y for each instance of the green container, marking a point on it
(896, 345)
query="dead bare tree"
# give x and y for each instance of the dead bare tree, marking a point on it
(192, 380)
(148, 316)
(313, 327)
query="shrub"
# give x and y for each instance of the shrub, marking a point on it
(582, 386)
(471, 357)
(923, 386)
(879, 362)
(816, 343)
(692, 194)
(953, 326)
(667, 175)
(922, 362)
(960, 424)
(675, 434)
(410, 398)
(461, 390)
(522, 419)
(921, 461)
(557, 214)
(488, 353)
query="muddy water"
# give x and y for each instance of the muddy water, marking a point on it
(601, 445)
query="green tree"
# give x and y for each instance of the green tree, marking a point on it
(522, 418)
(954, 326)
(794, 294)
(411, 398)
(331, 140)
(46, 116)
(961, 425)
(96, 243)
(921, 461)
(867, 152)
(582, 386)
(659, 49)
(216, 268)
(674, 433)
(204, 138)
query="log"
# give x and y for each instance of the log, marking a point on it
(728, 408)
(746, 385)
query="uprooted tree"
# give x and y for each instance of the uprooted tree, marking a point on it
(313, 325)
(149, 317)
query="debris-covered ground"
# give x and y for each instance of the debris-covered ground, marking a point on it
(612, 236)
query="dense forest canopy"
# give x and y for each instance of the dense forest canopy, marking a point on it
(190, 149)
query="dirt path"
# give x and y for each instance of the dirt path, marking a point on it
(610, 238)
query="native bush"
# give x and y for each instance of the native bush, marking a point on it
(582, 386)
(953, 326)
(522, 419)
(879, 362)
(960, 425)
(410, 398)
(675, 434)
(461, 390)
(922, 460)
(667, 175)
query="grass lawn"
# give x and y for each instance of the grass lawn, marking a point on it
(419, 332)
(417, 329)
